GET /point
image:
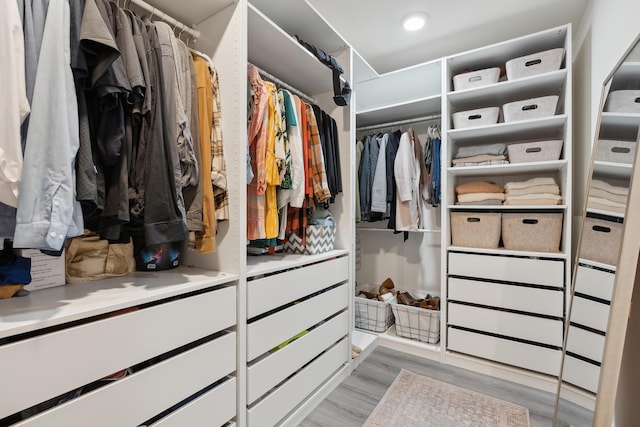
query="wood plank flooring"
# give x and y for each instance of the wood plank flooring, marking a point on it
(352, 401)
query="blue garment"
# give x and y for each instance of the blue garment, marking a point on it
(47, 209)
(363, 176)
(434, 193)
(17, 272)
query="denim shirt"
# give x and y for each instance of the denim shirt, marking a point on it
(47, 210)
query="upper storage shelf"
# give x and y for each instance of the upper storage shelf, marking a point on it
(420, 107)
(290, 61)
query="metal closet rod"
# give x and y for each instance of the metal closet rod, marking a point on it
(278, 82)
(401, 122)
(166, 18)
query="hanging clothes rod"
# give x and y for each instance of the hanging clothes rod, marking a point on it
(278, 82)
(401, 122)
(166, 18)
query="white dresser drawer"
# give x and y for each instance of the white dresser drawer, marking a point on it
(521, 326)
(162, 385)
(580, 373)
(273, 291)
(590, 313)
(586, 344)
(595, 283)
(533, 357)
(509, 269)
(270, 410)
(522, 298)
(58, 361)
(214, 408)
(270, 371)
(268, 332)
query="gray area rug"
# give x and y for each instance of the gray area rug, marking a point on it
(416, 400)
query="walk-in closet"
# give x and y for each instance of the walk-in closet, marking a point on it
(236, 212)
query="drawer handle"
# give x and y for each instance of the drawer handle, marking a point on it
(530, 107)
(475, 79)
(475, 116)
(530, 221)
(637, 100)
(601, 229)
(622, 150)
(533, 150)
(473, 219)
(533, 62)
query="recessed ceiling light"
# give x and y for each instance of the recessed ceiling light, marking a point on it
(414, 21)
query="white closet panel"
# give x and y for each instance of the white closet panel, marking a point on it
(522, 298)
(214, 408)
(267, 373)
(270, 292)
(64, 360)
(136, 398)
(531, 328)
(265, 334)
(275, 406)
(510, 269)
(541, 359)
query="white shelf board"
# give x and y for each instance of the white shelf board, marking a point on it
(613, 170)
(54, 306)
(511, 168)
(503, 251)
(196, 13)
(367, 341)
(606, 213)
(620, 119)
(536, 128)
(507, 207)
(588, 262)
(510, 90)
(308, 75)
(400, 111)
(390, 339)
(271, 263)
(363, 226)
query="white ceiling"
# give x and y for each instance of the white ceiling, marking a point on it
(373, 27)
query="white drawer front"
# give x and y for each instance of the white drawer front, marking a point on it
(268, 372)
(596, 283)
(214, 408)
(162, 385)
(527, 356)
(590, 313)
(58, 361)
(510, 269)
(580, 373)
(585, 343)
(286, 397)
(522, 298)
(265, 334)
(537, 329)
(274, 291)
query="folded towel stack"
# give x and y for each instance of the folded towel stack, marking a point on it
(607, 197)
(535, 191)
(481, 155)
(480, 193)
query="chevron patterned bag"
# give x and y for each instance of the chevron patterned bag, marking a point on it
(320, 239)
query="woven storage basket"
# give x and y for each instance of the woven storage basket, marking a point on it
(623, 101)
(320, 239)
(475, 229)
(417, 323)
(478, 117)
(537, 63)
(538, 151)
(540, 232)
(534, 108)
(601, 240)
(372, 315)
(616, 151)
(476, 78)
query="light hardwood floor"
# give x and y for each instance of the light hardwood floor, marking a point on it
(352, 401)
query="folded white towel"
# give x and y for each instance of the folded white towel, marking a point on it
(529, 183)
(622, 191)
(536, 189)
(477, 197)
